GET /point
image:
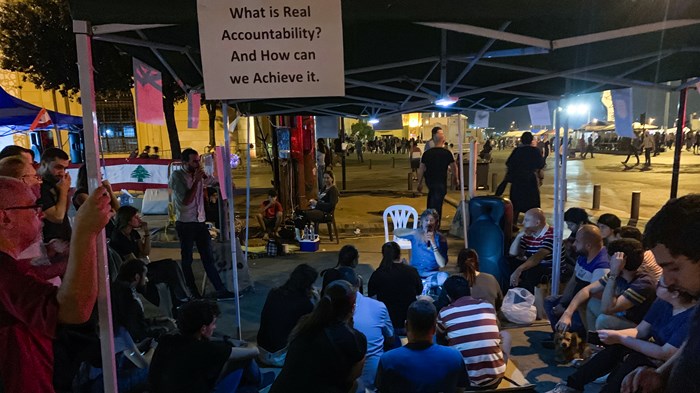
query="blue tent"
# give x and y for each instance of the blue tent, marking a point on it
(17, 115)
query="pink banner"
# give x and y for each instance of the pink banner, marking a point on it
(148, 85)
(194, 103)
(220, 172)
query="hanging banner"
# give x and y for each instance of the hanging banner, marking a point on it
(622, 104)
(148, 86)
(327, 126)
(271, 48)
(606, 99)
(219, 154)
(481, 119)
(539, 114)
(194, 103)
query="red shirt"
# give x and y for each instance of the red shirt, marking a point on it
(271, 209)
(28, 319)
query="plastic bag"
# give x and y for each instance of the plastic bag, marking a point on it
(519, 306)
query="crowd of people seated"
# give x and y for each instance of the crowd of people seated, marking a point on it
(638, 293)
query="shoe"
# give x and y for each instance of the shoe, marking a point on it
(562, 388)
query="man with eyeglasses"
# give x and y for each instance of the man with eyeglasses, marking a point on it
(19, 167)
(30, 307)
(54, 194)
(188, 197)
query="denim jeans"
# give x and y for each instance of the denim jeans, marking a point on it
(617, 360)
(191, 233)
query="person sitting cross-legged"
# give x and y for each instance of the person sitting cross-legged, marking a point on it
(189, 361)
(270, 215)
(421, 365)
(626, 292)
(667, 323)
(591, 265)
(470, 326)
(531, 251)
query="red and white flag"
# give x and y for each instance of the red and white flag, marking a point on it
(194, 102)
(42, 120)
(148, 85)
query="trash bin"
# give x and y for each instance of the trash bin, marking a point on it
(482, 175)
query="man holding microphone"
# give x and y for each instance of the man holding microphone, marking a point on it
(188, 198)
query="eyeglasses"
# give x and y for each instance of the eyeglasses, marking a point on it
(35, 177)
(36, 208)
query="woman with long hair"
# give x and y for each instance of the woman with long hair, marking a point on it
(396, 284)
(323, 207)
(129, 244)
(484, 286)
(326, 354)
(283, 308)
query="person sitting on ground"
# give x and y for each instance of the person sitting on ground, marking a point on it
(428, 248)
(421, 365)
(326, 354)
(471, 326)
(323, 208)
(155, 154)
(146, 153)
(31, 308)
(396, 284)
(592, 264)
(649, 264)
(482, 285)
(189, 361)
(658, 337)
(283, 308)
(347, 256)
(574, 218)
(127, 308)
(608, 224)
(270, 215)
(129, 244)
(531, 251)
(371, 318)
(626, 292)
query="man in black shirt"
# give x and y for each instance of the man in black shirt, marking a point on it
(433, 167)
(54, 194)
(189, 362)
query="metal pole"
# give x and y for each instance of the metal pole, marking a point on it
(494, 179)
(247, 196)
(410, 181)
(55, 123)
(370, 163)
(564, 160)
(463, 199)
(83, 39)
(558, 229)
(636, 200)
(472, 168)
(275, 154)
(342, 140)
(231, 219)
(596, 197)
(679, 142)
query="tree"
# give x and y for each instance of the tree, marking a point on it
(36, 39)
(140, 173)
(363, 130)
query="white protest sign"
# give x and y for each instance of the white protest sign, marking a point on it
(271, 48)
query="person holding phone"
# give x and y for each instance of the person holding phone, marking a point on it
(667, 323)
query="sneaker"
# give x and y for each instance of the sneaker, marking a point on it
(562, 388)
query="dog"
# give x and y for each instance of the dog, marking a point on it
(569, 346)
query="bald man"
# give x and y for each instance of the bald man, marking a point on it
(30, 307)
(531, 251)
(592, 264)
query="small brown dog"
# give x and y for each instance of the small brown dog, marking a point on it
(569, 346)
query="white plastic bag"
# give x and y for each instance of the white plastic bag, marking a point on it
(519, 306)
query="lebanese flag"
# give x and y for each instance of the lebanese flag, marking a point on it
(148, 85)
(42, 120)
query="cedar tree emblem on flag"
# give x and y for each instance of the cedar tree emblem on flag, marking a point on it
(42, 120)
(140, 173)
(148, 85)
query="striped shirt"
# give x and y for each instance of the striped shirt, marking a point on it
(641, 292)
(531, 244)
(472, 329)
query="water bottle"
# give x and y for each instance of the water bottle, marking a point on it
(312, 233)
(306, 232)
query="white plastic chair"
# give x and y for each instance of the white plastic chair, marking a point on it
(400, 215)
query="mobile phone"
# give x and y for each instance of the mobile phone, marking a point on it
(592, 337)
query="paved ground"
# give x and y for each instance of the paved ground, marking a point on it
(369, 191)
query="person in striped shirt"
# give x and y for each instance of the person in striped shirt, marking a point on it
(532, 251)
(470, 326)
